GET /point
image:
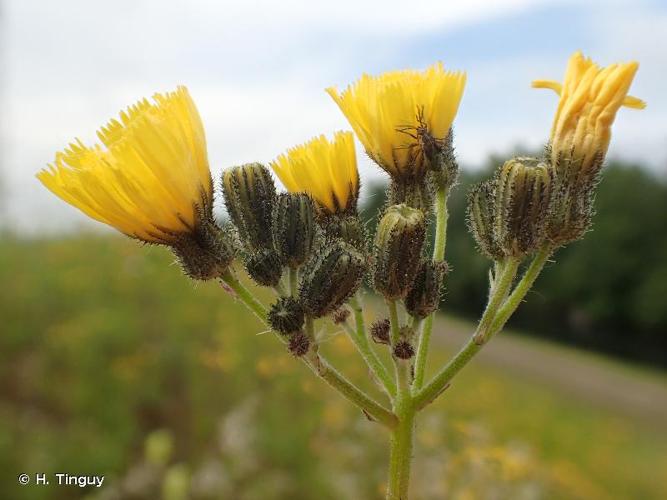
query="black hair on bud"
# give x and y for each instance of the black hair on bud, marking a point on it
(298, 344)
(424, 297)
(416, 193)
(265, 267)
(250, 195)
(286, 316)
(480, 218)
(330, 278)
(204, 253)
(404, 350)
(294, 228)
(347, 228)
(399, 241)
(380, 331)
(340, 315)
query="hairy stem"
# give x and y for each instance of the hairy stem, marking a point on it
(316, 363)
(499, 290)
(441, 216)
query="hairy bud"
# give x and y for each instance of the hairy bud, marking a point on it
(404, 350)
(480, 217)
(204, 253)
(507, 215)
(424, 297)
(380, 331)
(298, 344)
(331, 278)
(250, 195)
(416, 193)
(286, 316)
(265, 267)
(340, 315)
(294, 228)
(522, 197)
(440, 159)
(398, 247)
(347, 228)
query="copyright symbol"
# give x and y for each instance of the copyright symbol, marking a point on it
(24, 479)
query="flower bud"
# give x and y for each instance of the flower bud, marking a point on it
(348, 228)
(415, 193)
(440, 159)
(340, 315)
(294, 229)
(250, 196)
(522, 198)
(380, 331)
(570, 211)
(265, 267)
(286, 316)
(398, 247)
(424, 297)
(298, 344)
(480, 218)
(206, 252)
(404, 350)
(331, 278)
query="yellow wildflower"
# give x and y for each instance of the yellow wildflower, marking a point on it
(395, 112)
(590, 97)
(151, 180)
(326, 170)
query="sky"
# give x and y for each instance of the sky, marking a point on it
(258, 69)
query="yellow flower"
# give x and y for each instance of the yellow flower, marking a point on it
(394, 112)
(589, 100)
(150, 180)
(326, 170)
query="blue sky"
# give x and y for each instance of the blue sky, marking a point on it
(257, 70)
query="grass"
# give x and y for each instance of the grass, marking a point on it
(104, 343)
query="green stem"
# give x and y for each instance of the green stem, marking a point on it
(362, 341)
(246, 296)
(372, 409)
(497, 295)
(316, 363)
(512, 303)
(401, 449)
(442, 215)
(293, 280)
(439, 383)
(395, 325)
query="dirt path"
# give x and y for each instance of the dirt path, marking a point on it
(580, 375)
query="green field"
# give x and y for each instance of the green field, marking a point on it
(104, 343)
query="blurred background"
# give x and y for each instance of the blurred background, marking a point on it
(112, 363)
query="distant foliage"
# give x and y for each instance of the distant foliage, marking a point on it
(609, 291)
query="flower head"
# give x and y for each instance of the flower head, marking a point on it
(397, 114)
(590, 97)
(326, 170)
(150, 179)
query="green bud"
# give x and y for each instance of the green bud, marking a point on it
(250, 195)
(265, 267)
(286, 316)
(522, 201)
(331, 278)
(480, 218)
(413, 192)
(347, 228)
(398, 248)
(440, 160)
(206, 252)
(570, 209)
(294, 228)
(424, 297)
